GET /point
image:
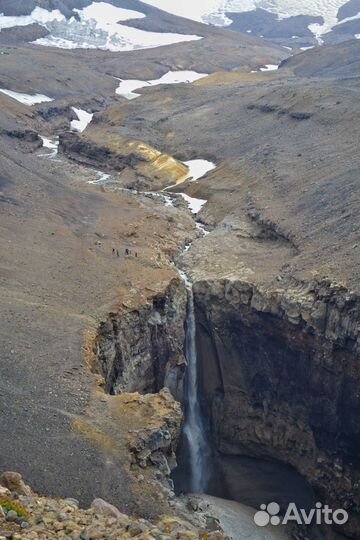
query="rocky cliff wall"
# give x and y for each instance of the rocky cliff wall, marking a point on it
(280, 381)
(142, 350)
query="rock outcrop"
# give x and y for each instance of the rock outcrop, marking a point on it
(22, 34)
(28, 139)
(142, 349)
(35, 517)
(155, 443)
(141, 165)
(13, 481)
(280, 381)
(138, 434)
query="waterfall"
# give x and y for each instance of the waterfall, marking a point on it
(194, 430)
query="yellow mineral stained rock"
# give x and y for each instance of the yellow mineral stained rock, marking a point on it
(148, 160)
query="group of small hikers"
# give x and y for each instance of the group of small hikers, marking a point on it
(127, 252)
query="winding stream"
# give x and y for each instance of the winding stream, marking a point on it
(50, 144)
(194, 430)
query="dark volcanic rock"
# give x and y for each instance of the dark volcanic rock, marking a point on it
(142, 350)
(73, 145)
(279, 380)
(19, 7)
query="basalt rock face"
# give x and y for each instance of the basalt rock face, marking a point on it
(280, 379)
(141, 350)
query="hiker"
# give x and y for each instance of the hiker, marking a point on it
(126, 251)
(135, 253)
(113, 251)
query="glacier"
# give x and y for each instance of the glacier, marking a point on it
(214, 11)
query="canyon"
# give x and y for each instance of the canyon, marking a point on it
(125, 309)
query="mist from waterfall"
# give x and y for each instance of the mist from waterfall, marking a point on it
(194, 430)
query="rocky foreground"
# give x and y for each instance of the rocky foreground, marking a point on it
(26, 515)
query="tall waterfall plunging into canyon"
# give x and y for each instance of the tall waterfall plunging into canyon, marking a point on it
(194, 431)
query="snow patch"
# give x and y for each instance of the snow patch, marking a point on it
(106, 15)
(84, 119)
(270, 67)
(127, 86)
(195, 205)
(199, 168)
(26, 99)
(214, 11)
(195, 10)
(39, 15)
(99, 27)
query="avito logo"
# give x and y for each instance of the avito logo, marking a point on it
(269, 514)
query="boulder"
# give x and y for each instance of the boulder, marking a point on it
(106, 509)
(13, 482)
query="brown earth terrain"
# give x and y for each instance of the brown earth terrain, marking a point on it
(276, 281)
(61, 280)
(281, 262)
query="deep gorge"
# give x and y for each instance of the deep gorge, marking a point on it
(277, 388)
(278, 379)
